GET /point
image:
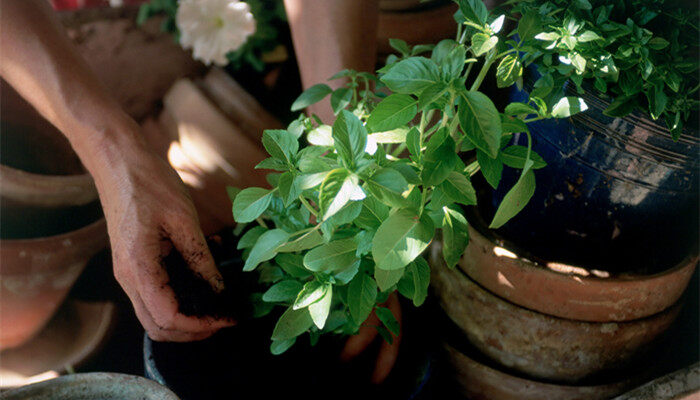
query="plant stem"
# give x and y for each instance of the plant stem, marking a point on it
(484, 69)
(399, 149)
(308, 206)
(472, 168)
(261, 222)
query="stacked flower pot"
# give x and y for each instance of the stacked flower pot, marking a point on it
(51, 221)
(566, 299)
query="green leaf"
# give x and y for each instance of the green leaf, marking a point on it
(265, 248)
(658, 43)
(397, 135)
(515, 156)
(281, 145)
(458, 188)
(362, 294)
(250, 204)
(431, 94)
(320, 309)
(568, 106)
(421, 280)
(400, 45)
(292, 264)
(411, 75)
(482, 43)
(455, 236)
(474, 11)
(278, 347)
(657, 100)
(387, 278)
(338, 188)
(621, 106)
(333, 256)
(232, 192)
(387, 317)
(250, 237)
(349, 137)
(273, 164)
(408, 171)
(516, 198)
(289, 188)
(400, 239)
(392, 112)
(413, 142)
(306, 241)
(372, 215)
(491, 168)
(387, 185)
(543, 86)
(438, 161)
(310, 96)
(508, 71)
(588, 36)
(312, 292)
(283, 291)
(321, 136)
(519, 109)
(340, 99)
(528, 25)
(480, 121)
(454, 63)
(513, 125)
(292, 324)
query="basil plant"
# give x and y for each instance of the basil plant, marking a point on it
(355, 203)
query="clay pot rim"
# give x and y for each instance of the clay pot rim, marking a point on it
(524, 261)
(87, 230)
(47, 189)
(543, 385)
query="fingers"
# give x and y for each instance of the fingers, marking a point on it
(388, 353)
(356, 344)
(188, 239)
(154, 331)
(159, 298)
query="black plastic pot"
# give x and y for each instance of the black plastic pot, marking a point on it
(236, 362)
(617, 193)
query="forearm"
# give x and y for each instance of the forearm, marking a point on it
(39, 61)
(331, 35)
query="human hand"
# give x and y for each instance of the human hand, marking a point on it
(387, 352)
(149, 212)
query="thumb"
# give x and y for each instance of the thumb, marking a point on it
(189, 241)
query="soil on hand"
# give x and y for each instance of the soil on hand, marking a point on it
(195, 295)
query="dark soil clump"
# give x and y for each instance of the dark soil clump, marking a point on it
(195, 295)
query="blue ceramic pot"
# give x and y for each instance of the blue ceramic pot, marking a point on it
(618, 193)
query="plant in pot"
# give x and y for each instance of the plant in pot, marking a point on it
(349, 216)
(621, 190)
(603, 286)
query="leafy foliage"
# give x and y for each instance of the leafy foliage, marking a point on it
(642, 54)
(354, 206)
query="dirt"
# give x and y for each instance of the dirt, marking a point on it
(195, 295)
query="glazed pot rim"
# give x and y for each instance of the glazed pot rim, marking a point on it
(93, 226)
(45, 190)
(85, 176)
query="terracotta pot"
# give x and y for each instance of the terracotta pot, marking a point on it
(94, 385)
(36, 275)
(480, 382)
(571, 292)
(537, 344)
(416, 27)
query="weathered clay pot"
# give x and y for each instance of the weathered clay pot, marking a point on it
(416, 27)
(571, 292)
(36, 275)
(537, 344)
(94, 385)
(480, 382)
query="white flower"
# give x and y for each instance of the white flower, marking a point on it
(116, 3)
(213, 28)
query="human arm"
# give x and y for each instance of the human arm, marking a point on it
(145, 204)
